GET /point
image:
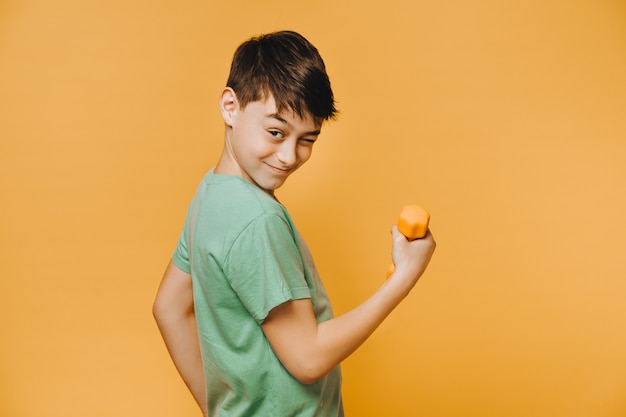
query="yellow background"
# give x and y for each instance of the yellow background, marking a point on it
(506, 119)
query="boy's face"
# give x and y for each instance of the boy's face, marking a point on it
(262, 145)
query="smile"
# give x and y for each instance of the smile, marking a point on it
(279, 170)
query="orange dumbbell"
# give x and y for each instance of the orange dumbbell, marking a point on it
(412, 223)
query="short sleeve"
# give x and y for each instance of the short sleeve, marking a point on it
(181, 253)
(265, 267)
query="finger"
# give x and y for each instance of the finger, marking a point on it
(396, 234)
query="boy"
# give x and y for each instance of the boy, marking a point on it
(241, 308)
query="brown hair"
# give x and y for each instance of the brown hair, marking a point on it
(287, 66)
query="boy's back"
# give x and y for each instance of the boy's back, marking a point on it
(246, 258)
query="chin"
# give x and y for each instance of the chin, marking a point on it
(269, 186)
(273, 187)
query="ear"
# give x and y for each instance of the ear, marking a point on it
(229, 105)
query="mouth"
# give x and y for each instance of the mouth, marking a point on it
(282, 171)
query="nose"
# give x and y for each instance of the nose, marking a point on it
(286, 153)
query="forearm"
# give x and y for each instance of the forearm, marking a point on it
(310, 350)
(181, 339)
(338, 338)
(174, 312)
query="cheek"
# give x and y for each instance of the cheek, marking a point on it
(256, 146)
(304, 154)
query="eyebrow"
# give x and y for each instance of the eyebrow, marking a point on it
(283, 120)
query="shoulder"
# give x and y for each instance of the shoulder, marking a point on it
(243, 197)
(233, 202)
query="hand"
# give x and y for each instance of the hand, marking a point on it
(411, 257)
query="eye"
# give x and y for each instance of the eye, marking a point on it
(308, 140)
(276, 133)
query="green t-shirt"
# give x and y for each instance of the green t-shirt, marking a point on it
(246, 257)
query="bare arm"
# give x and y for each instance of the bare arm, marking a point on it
(174, 313)
(310, 350)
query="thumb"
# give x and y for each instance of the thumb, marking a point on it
(396, 234)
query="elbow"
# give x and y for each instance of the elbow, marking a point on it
(161, 310)
(168, 311)
(308, 380)
(158, 306)
(308, 372)
(158, 310)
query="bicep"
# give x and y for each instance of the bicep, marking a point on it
(291, 329)
(175, 293)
